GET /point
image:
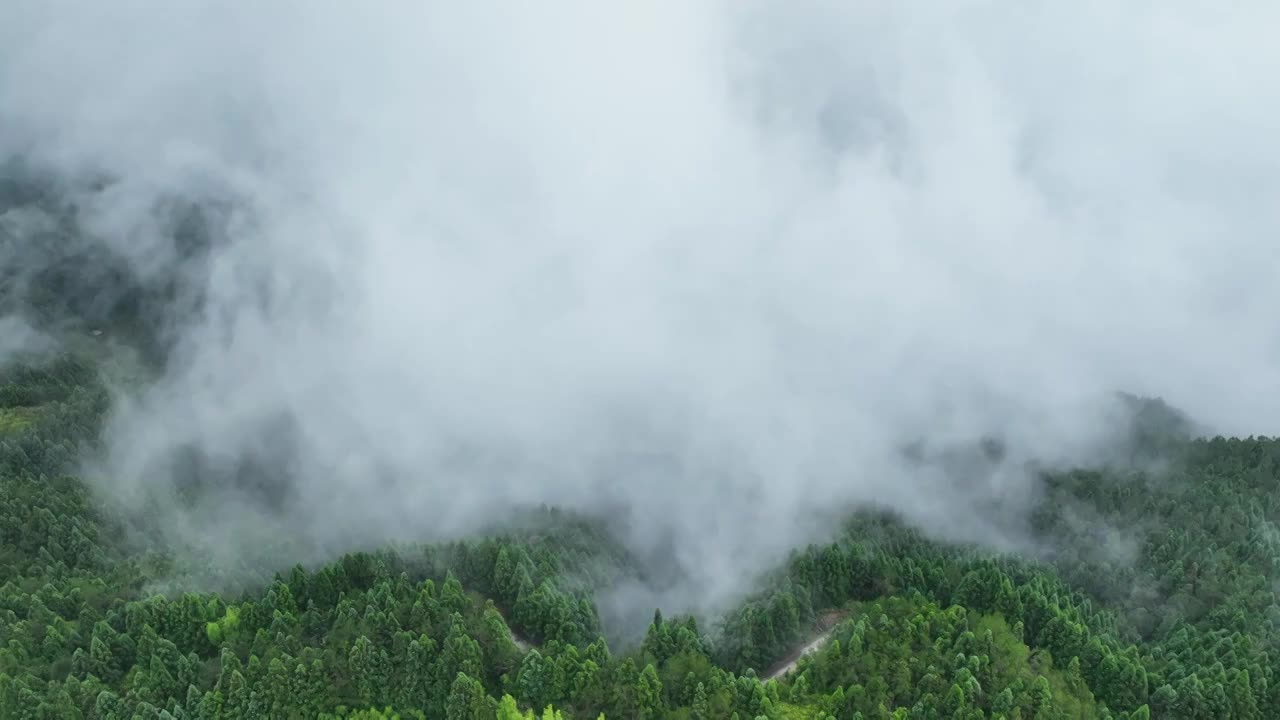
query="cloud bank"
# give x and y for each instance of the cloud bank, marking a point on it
(706, 265)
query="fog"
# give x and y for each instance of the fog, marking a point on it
(705, 267)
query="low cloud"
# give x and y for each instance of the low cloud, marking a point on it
(707, 266)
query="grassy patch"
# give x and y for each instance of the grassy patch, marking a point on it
(14, 419)
(789, 711)
(1071, 696)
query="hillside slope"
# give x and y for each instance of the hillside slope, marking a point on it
(97, 624)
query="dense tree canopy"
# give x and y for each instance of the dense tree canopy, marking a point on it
(1181, 624)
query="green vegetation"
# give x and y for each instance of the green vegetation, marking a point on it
(13, 419)
(1183, 624)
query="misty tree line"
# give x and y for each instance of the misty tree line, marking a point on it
(56, 275)
(1184, 628)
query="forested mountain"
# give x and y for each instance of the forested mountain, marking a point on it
(1150, 590)
(1181, 624)
(640, 361)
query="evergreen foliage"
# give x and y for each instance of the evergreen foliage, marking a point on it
(1182, 626)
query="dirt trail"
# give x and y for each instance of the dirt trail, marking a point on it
(826, 626)
(789, 663)
(521, 644)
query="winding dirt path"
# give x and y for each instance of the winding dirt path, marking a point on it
(826, 625)
(521, 644)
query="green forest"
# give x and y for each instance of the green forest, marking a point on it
(505, 626)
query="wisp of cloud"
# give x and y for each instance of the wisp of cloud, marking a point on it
(706, 267)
